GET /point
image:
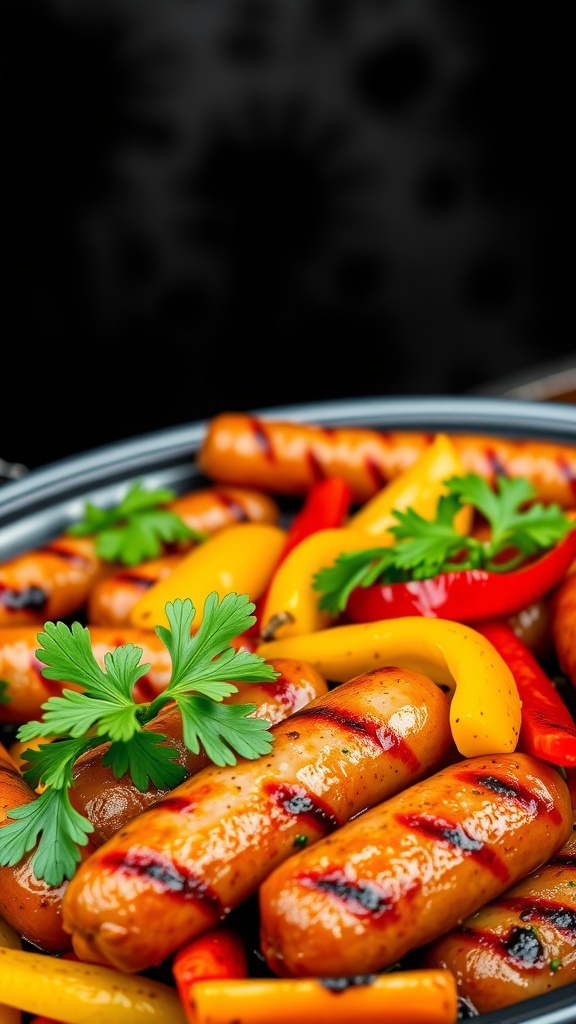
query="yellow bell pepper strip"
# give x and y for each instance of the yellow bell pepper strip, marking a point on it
(485, 708)
(291, 606)
(418, 487)
(425, 996)
(80, 993)
(9, 937)
(325, 506)
(238, 559)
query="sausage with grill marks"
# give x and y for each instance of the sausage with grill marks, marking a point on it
(521, 944)
(109, 803)
(286, 457)
(54, 581)
(408, 870)
(185, 863)
(25, 689)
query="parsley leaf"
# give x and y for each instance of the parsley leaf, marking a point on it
(56, 829)
(204, 669)
(137, 528)
(519, 528)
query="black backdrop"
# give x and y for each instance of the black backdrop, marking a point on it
(230, 205)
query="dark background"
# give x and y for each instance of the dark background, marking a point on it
(233, 205)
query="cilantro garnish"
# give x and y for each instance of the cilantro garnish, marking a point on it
(426, 548)
(205, 668)
(137, 528)
(4, 698)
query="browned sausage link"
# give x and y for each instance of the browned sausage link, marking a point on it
(25, 689)
(286, 458)
(109, 803)
(54, 581)
(111, 600)
(210, 509)
(190, 859)
(563, 625)
(29, 905)
(520, 945)
(50, 582)
(403, 873)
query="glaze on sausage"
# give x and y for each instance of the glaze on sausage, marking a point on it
(185, 863)
(562, 615)
(111, 600)
(54, 581)
(25, 689)
(286, 457)
(406, 871)
(109, 803)
(31, 906)
(521, 944)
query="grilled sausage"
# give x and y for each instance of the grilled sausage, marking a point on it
(521, 944)
(111, 600)
(54, 581)
(31, 906)
(286, 458)
(562, 615)
(186, 862)
(50, 582)
(404, 872)
(25, 689)
(109, 803)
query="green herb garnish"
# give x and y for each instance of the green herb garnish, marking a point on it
(424, 548)
(137, 528)
(205, 668)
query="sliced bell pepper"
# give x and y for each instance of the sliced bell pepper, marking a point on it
(469, 595)
(548, 729)
(485, 712)
(217, 954)
(325, 507)
(239, 558)
(292, 604)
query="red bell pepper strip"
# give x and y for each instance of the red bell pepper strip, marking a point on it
(548, 729)
(326, 505)
(469, 595)
(217, 953)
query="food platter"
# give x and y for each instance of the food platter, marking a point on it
(45, 501)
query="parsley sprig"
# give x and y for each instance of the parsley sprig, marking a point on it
(205, 668)
(519, 528)
(136, 528)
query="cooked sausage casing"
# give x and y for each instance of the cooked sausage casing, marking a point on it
(26, 689)
(50, 582)
(286, 457)
(183, 864)
(32, 907)
(109, 803)
(406, 871)
(208, 510)
(54, 581)
(562, 611)
(521, 944)
(110, 601)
